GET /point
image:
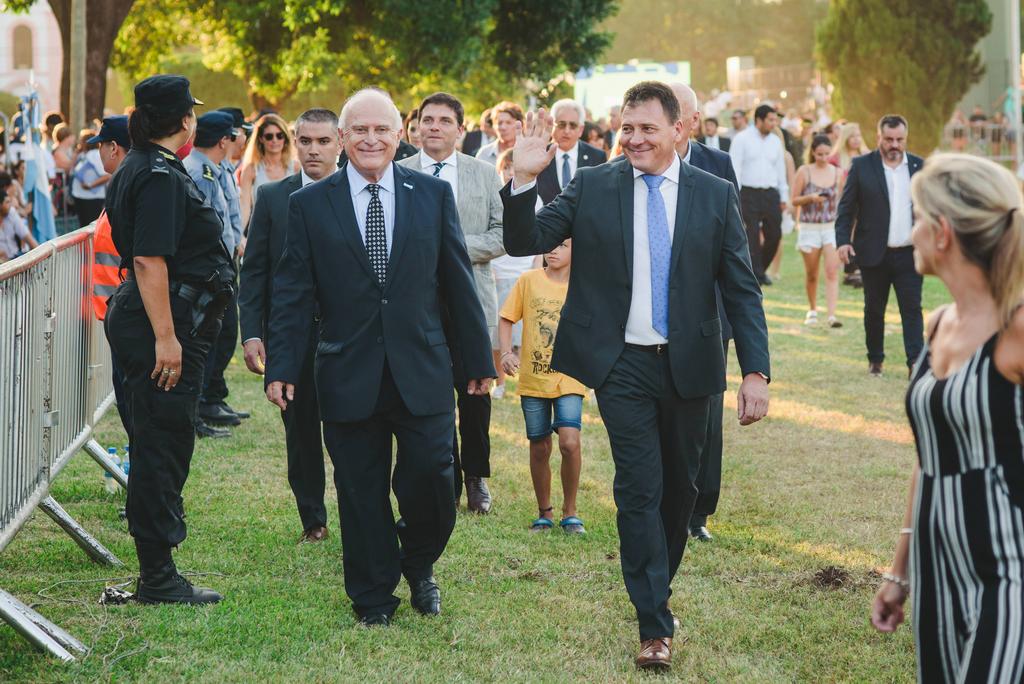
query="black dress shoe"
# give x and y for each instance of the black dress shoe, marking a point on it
(478, 496)
(241, 414)
(700, 533)
(764, 280)
(875, 368)
(426, 596)
(379, 620)
(218, 414)
(205, 430)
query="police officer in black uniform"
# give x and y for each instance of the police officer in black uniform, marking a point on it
(162, 321)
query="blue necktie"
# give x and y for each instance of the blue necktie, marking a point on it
(661, 253)
(566, 173)
(437, 169)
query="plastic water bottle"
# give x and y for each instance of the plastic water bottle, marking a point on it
(108, 480)
(126, 464)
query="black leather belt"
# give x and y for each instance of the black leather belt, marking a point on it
(190, 293)
(658, 349)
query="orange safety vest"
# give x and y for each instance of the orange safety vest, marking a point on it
(105, 266)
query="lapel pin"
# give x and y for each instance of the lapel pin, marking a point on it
(585, 157)
(407, 185)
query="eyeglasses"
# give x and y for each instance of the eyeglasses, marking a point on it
(571, 125)
(270, 136)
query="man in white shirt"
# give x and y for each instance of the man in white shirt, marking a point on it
(318, 144)
(640, 325)
(873, 225)
(759, 159)
(475, 184)
(711, 138)
(572, 153)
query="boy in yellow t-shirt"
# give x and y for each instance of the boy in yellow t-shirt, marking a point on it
(537, 299)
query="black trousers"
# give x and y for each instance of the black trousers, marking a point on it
(124, 410)
(215, 388)
(656, 439)
(896, 271)
(377, 551)
(472, 455)
(709, 479)
(88, 210)
(761, 215)
(162, 423)
(304, 445)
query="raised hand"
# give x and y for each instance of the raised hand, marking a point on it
(533, 150)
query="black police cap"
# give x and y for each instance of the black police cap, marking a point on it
(165, 92)
(239, 118)
(213, 126)
(114, 129)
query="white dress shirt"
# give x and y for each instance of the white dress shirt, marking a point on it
(573, 153)
(712, 142)
(639, 325)
(901, 219)
(306, 180)
(759, 161)
(449, 172)
(361, 200)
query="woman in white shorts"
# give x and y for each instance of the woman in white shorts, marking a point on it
(816, 191)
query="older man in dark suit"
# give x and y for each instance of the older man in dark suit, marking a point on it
(379, 249)
(573, 154)
(874, 223)
(651, 237)
(709, 482)
(318, 144)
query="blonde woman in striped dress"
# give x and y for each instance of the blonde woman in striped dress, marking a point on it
(963, 535)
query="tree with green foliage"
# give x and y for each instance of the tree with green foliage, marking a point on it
(912, 57)
(103, 20)
(283, 48)
(707, 32)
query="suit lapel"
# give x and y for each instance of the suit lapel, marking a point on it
(404, 183)
(582, 157)
(880, 173)
(465, 176)
(340, 198)
(684, 203)
(626, 214)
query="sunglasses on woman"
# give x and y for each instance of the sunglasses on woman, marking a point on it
(270, 136)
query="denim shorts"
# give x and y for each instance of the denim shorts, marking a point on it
(567, 409)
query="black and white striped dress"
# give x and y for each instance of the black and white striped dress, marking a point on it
(967, 551)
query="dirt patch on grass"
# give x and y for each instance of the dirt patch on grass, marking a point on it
(832, 577)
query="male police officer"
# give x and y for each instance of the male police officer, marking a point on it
(213, 136)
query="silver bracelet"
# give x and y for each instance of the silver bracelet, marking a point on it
(906, 530)
(897, 580)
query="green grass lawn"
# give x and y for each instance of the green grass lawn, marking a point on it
(821, 482)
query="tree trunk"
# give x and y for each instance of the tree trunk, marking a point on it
(103, 21)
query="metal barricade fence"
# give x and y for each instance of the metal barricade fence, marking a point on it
(55, 386)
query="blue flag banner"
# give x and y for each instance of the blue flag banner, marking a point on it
(37, 184)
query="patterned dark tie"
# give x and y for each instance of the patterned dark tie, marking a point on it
(566, 173)
(376, 238)
(437, 169)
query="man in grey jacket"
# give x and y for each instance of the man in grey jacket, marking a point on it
(476, 185)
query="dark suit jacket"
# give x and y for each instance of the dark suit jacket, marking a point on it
(709, 246)
(325, 262)
(267, 228)
(471, 143)
(723, 142)
(717, 163)
(547, 181)
(863, 215)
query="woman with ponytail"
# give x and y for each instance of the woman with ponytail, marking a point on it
(963, 532)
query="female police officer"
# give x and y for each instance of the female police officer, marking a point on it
(162, 320)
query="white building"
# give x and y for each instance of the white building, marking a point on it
(30, 46)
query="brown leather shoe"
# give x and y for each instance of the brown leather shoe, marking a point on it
(313, 535)
(478, 496)
(655, 654)
(875, 368)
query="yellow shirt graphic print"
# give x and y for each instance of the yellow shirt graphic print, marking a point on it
(538, 301)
